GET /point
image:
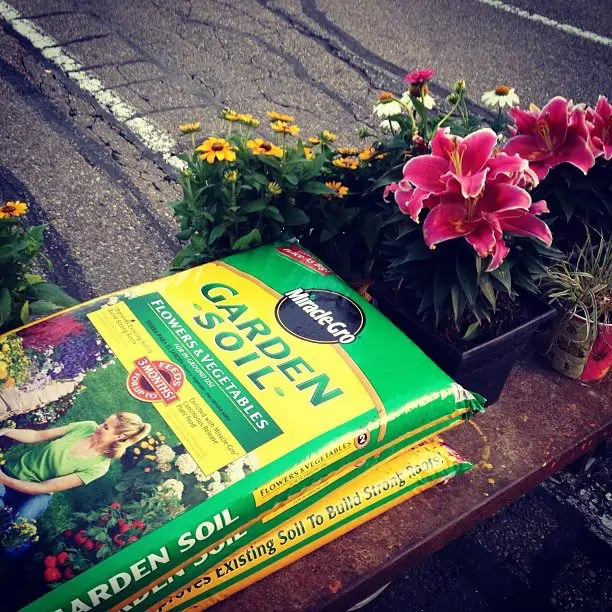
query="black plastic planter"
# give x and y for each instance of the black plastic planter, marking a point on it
(483, 368)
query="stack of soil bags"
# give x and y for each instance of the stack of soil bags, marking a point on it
(236, 415)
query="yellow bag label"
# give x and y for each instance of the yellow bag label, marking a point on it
(210, 356)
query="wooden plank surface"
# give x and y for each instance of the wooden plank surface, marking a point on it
(541, 423)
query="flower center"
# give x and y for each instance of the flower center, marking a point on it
(266, 146)
(386, 96)
(8, 208)
(502, 90)
(218, 146)
(544, 132)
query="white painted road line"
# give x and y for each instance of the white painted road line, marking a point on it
(146, 131)
(564, 27)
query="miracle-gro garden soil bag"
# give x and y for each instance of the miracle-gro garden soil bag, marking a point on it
(370, 493)
(140, 430)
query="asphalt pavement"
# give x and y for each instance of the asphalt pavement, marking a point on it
(91, 95)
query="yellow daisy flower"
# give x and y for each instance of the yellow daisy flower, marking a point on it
(216, 149)
(229, 114)
(274, 188)
(285, 128)
(13, 208)
(274, 116)
(259, 146)
(308, 153)
(347, 151)
(231, 176)
(3, 370)
(367, 153)
(338, 187)
(248, 119)
(314, 140)
(190, 128)
(350, 163)
(328, 136)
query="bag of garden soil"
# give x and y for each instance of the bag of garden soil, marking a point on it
(241, 562)
(140, 429)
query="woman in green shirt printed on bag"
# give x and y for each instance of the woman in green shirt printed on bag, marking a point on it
(72, 456)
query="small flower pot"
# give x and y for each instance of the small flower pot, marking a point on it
(482, 368)
(575, 355)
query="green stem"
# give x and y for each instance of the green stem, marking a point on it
(450, 112)
(409, 111)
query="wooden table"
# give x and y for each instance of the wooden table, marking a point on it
(541, 423)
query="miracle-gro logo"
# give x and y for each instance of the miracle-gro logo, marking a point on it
(319, 315)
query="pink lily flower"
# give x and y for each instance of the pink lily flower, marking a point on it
(472, 191)
(481, 221)
(556, 134)
(600, 128)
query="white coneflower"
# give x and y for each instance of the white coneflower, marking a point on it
(428, 101)
(387, 106)
(390, 126)
(501, 96)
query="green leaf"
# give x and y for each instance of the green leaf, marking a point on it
(48, 292)
(502, 274)
(317, 188)
(244, 242)
(458, 301)
(254, 206)
(43, 307)
(294, 216)
(24, 313)
(472, 331)
(216, 232)
(441, 287)
(313, 167)
(487, 288)
(273, 213)
(468, 277)
(6, 303)
(568, 206)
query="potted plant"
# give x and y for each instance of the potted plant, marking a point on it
(242, 190)
(581, 288)
(23, 294)
(467, 243)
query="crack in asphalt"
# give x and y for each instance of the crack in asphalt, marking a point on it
(94, 152)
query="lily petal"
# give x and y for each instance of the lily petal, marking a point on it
(412, 202)
(505, 167)
(442, 143)
(471, 184)
(538, 208)
(526, 224)
(390, 188)
(552, 123)
(425, 172)
(500, 250)
(524, 120)
(445, 222)
(482, 239)
(500, 197)
(476, 149)
(574, 151)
